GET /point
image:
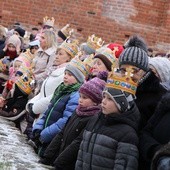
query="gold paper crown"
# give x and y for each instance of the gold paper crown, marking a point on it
(94, 42)
(88, 62)
(67, 31)
(48, 21)
(70, 47)
(24, 84)
(122, 82)
(108, 53)
(76, 62)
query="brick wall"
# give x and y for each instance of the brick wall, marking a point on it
(113, 20)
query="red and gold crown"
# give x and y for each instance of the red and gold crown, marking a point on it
(48, 21)
(94, 42)
(67, 31)
(122, 82)
(70, 47)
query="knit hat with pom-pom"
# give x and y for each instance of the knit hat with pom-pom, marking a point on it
(135, 53)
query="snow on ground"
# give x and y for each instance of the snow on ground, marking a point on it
(15, 153)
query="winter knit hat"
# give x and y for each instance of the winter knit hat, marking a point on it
(122, 99)
(162, 67)
(135, 53)
(78, 69)
(88, 50)
(20, 31)
(93, 89)
(107, 56)
(14, 40)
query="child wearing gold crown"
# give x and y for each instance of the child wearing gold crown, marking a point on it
(12, 107)
(110, 139)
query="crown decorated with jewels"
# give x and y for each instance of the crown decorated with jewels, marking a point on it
(94, 42)
(48, 21)
(122, 82)
(80, 65)
(67, 31)
(25, 80)
(70, 47)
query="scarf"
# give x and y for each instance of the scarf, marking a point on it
(88, 111)
(11, 54)
(63, 90)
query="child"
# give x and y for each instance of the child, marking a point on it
(62, 151)
(16, 65)
(12, 48)
(61, 107)
(110, 138)
(13, 106)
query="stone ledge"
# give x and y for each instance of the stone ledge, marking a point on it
(15, 153)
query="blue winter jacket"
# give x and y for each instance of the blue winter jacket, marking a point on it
(56, 116)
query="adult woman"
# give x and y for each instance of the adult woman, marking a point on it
(45, 56)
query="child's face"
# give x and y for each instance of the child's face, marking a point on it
(69, 79)
(11, 47)
(85, 101)
(108, 105)
(98, 65)
(17, 65)
(61, 57)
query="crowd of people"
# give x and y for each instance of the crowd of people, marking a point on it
(86, 105)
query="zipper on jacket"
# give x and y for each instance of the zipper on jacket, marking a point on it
(51, 112)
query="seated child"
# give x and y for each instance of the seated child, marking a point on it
(13, 106)
(110, 139)
(61, 107)
(62, 151)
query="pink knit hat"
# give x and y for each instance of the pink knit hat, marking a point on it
(93, 89)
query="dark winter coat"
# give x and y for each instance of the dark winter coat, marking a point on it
(156, 133)
(110, 142)
(66, 144)
(148, 94)
(18, 102)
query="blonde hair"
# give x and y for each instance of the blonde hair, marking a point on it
(51, 38)
(2, 32)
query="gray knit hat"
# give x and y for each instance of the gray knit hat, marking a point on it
(135, 53)
(88, 50)
(162, 67)
(76, 73)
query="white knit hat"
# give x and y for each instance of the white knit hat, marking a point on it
(162, 66)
